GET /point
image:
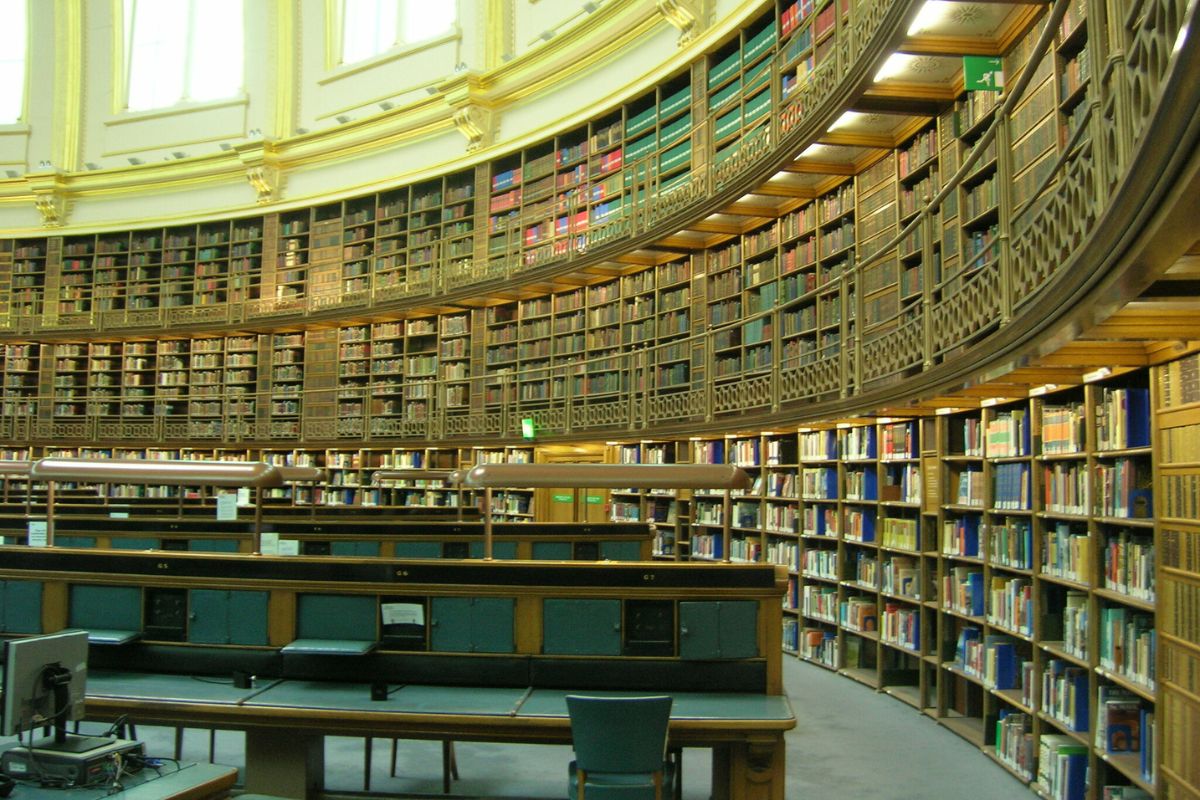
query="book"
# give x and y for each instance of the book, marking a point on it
(1118, 720)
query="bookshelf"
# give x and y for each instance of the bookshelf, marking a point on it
(739, 86)
(28, 280)
(514, 504)
(454, 362)
(1176, 394)
(991, 567)
(666, 508)
(876, 215)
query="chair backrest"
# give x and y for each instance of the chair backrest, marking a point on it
(619, 734)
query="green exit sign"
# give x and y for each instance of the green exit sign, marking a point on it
(527, 428)
(983, 74)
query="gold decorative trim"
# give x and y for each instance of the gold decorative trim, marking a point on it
(49, 197)
(333, 33)
(689, 16)
(287, 49)
(500, 33)
(68, 84)
(262, 170)
(473, 116)
(424, 117)
(119, 62)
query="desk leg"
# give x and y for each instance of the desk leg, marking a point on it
(285, 763)
(754, 770)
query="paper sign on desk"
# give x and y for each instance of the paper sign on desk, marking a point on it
(268, 544)
(227, 506)
(37, 533)
(402, 613)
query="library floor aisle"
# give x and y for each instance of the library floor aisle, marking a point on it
(850, 743)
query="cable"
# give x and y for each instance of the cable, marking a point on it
(118, 724)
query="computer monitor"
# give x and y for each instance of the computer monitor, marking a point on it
(44, 683)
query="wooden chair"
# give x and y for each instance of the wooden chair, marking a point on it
(620, 748)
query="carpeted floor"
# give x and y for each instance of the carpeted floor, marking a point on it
(850, 743)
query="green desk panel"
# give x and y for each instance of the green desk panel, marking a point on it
(581, 627)
(685, 705)
(553, 551)
(355, 549)
(499, 550)
(330, 647)
(227, 617)
(492, 625)
(450, 624)
(75, 541)
(406, 699)
(471, 624)
(621, 551)
(134, 543)
(715, 629)
(107, 607)
(418, 549)
(168, 688)
(21, 606)
(213, 545)
(336, 616)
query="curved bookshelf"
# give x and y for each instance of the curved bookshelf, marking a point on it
(824, 311)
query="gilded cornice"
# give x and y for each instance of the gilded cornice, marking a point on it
(689, 16)
(48, 196)
(470, 104)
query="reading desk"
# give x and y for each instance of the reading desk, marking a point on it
(285, 721)
(457, 649)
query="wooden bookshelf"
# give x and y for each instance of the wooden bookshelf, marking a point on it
(1176, 394)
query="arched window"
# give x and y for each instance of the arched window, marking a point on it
(12, 59)
(182, 51)
(370, 27)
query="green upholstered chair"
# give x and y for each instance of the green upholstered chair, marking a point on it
(620, 748)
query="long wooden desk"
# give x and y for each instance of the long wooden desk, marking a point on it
(460, 649)
(285, 721)
(184, 781)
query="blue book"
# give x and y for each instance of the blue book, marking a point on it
(1137, 417)
(1078, 678)
(975, 587)
(965, 636)
(1003, 655)
(1146, 724)
(1075, 774)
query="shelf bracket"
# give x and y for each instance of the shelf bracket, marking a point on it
(262, 170)
(690, 17)
(473, 114)
(49, 197)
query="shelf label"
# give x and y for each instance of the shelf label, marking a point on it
(227, 506)
(36, 530)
